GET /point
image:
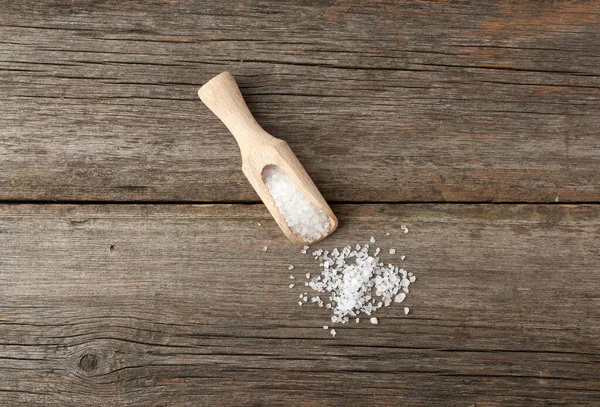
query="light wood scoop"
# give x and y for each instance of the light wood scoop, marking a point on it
(259, 149)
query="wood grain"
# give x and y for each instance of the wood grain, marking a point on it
(381, 101)
(131, 305)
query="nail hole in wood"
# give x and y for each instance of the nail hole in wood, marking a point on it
(112, 248)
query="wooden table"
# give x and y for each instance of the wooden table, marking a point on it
(131, 262)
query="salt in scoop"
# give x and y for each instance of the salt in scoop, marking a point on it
(274, 171)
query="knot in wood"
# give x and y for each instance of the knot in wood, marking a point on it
(88, 362)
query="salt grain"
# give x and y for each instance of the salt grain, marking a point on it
(404, 228)
(406, 309)
(374, 320)
(402, 257)
(291, 285)
(325, 327)
(291, 267)
(357, 282)
(332, 332)
(265, 248)
(392, 251)
(302, 217)
(372, 240)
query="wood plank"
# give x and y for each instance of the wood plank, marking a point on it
(382, 101)
(178, 305)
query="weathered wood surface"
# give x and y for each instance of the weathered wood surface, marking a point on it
(168, 305)
(382, 101)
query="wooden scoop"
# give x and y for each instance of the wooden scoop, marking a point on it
(259, 149)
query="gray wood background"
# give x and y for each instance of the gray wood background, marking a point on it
(131, 263)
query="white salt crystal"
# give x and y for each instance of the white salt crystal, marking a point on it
(402, 257)
(265, 248)
(374, 320)
(291, 267)
(355, 282)
(325, 327)
(362, 285)
(302, 217)
(404, 228)
(387, 234)
(392, 251)
(332, 332)
(307, 275)
(372, 239)
(300, 303)
(412, 279)
(258, 224)
(291, 285)
(291, 277)
(406, 309)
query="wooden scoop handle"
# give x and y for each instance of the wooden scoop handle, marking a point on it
(223, 97)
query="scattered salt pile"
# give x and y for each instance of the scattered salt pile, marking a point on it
(356, 282)
(302, 217)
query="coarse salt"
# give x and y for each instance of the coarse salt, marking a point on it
(301, 216)
(357, 282)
